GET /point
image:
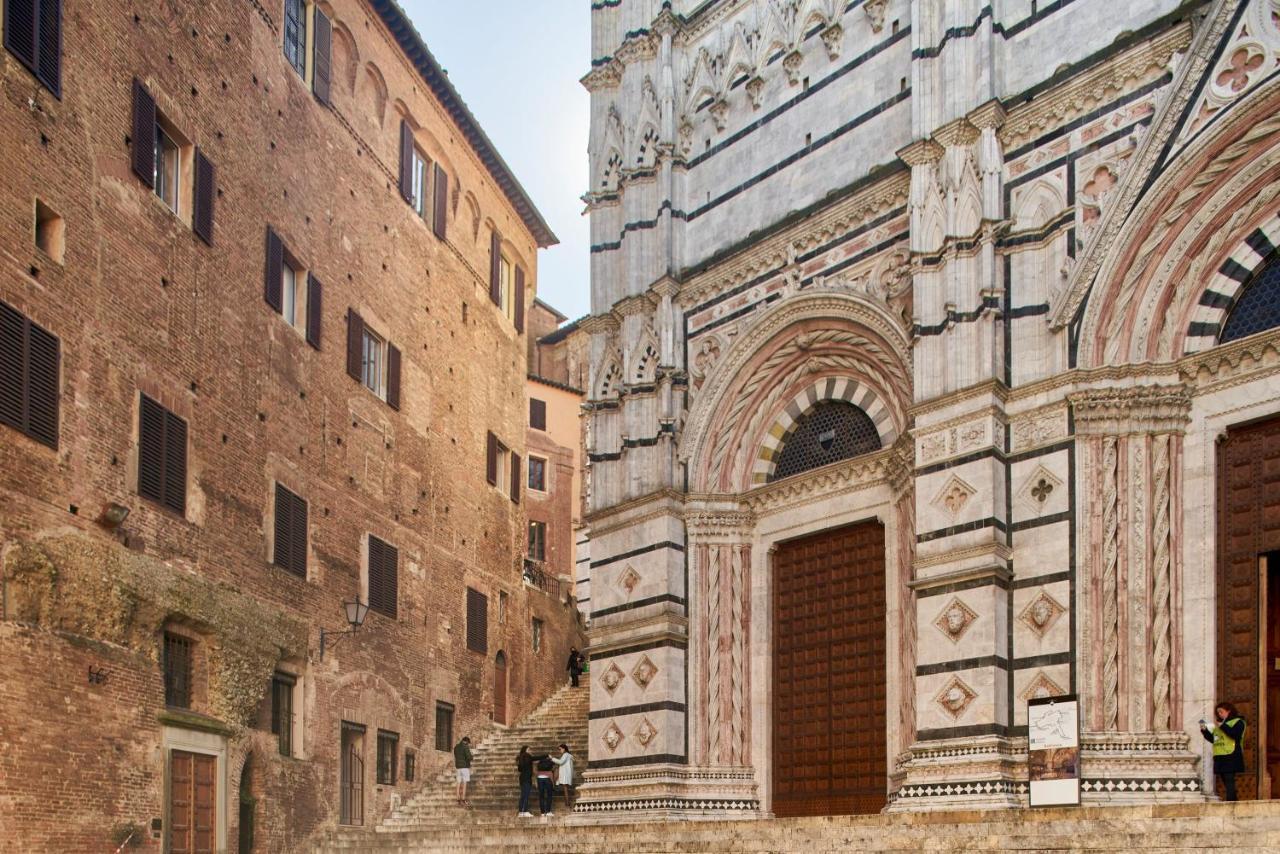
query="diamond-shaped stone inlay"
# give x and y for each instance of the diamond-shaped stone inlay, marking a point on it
(953, 496)
(1040, 687)
(1037, 490)
(955, 620)
(1041, 613)
(612, 678)
(612, 737)
(629, 580)
(644, 672)
(646, 732)
(955, 697)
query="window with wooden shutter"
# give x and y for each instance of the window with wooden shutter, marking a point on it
(393, 376)
(440, 216)
(206, 189)
(355, 345)
(515, 477)
(290, 532)
(30, 359)
(272, 289)
(162, 456)
(537, 414)
(491, 459)
(519, 297)
(383, 560)
(477, 621)
(144, 134)
(495, 268)
(33, 34)
(315, 302)
(322, 62)
(406, 161)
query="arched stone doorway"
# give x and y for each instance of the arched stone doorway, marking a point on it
(500, 688)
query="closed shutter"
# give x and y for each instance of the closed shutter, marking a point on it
(383, 571)
(271, 290)
(477, 621)
(13, 375)
(20, 18)
(440, 214)
(206, 189)
(519, 299)
(291, 532)
(491, 459)
(144, 134)
(515, 477)
(495, 267)
(162, 456)
(355, 344)
(537, 414)
(49, 62)
(33, 34)
(393, 376)
(323, 63)
(315, 304)
(29, 370)
(175, 463)
(406, 161)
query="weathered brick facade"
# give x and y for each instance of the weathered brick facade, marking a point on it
(141, 305)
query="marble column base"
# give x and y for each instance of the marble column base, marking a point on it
(666, 793)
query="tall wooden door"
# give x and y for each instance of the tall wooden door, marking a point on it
(193, 798)
(829, 673)
(1248, 528)
(500, 688)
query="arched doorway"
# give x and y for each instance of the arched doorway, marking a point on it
(500, 688)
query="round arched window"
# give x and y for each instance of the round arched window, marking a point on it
(829, 432)
(1257, 307)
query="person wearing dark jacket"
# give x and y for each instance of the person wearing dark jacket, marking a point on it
(574, 666)
(546, 786)
(524, 765)
(1227, 736)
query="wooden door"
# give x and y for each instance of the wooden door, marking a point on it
(829, 673)
(500, 689)
(1248, 527)
(192, 802)
(1269, 724)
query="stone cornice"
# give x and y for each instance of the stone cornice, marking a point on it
(921, 152)
(607, 76)
(598, 323)
(826, 482)
(666, 502)
(989, 115)
(957, 132)
(634, 304)
(723, 524)
(1131, 409)
(993, 571)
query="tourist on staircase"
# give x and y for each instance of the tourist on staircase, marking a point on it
(546, 789)
(462, 764)
(565, 761)
(524, 766)
(574, 666)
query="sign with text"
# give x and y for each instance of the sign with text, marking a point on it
(1053, 751)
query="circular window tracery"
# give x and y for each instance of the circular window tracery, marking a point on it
(831, 431)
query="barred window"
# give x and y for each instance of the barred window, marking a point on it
(282, 711)
(832, 431)
(388, 748)
(178, 661)
(444, 726)
(1258, 306)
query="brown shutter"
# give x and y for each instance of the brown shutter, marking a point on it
(283, 556)
(440, 216)
(275, 267)
(495, 267)
(322, 62)
(144, 134)
(537, 414)
(491, 459)
(519, 299)
(206, 189)
(49, 64)
(477, 621)
(298, 535)
(406, 161)
(151, 450)
(393, 376)
(175, 463)
(315, 304)
(20, 30)
(43, 358)
(515, 477)
(13, 332)
(383, 571)
(355, 345)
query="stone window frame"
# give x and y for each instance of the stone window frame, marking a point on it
(544, 471)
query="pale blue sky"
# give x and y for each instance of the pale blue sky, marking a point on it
(516, 63)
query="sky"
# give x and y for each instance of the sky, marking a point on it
(516, 64)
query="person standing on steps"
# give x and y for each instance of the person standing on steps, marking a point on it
(1227, 735)
(524, 766)
(574, 666)
(462, 764)
(546, 789)
(565, 761)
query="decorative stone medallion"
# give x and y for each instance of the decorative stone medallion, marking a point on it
(646, 732)
(1038, 488)
(955, 697)
(612, 737)
(644, 672)
(1041, 613)
(955, 620)
(629, 580)
(612, 678)
(953, 496)
(1040, 687)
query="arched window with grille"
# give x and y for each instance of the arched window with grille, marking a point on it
(831, 431)
(1257, 308)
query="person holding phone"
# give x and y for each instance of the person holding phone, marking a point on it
(1227, 736)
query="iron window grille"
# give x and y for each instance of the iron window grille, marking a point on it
(388, 750)
(351, 779)
(410, 761)
(830, 432)
(178, 661)
(282, 711)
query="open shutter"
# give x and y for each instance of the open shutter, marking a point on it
(491, 459)
(519, 299)
(315, 302)
(439, 216)
(13, 378)
(495, 267)
(175, 463)
(374, 598)
(151, 450)
(515, 477)
(275, 267)
(144, 134)
(283, 557)
(322, 62)
(393, 376)
(406, 161)
(355, 345)
(298, 535)
(49, 63)
(206, 189)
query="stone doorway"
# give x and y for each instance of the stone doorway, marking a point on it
(829, 687)
(192, 802)
(1248, 595)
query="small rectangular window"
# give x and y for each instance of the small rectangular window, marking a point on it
(282, 685)
(168, 159)
(410, 761)
(289, 294)
(502, 607)
(444, 725)
(162, 456)
(538, 474)
(388, 750)
(537, 635)
(537, 414)
(295, 35)
(538, 540)
(506, 286)
(51, 232)
(373, 363)
(29, 368)
(421, 175)
(477, 621)
(383, 562)
(178, 666)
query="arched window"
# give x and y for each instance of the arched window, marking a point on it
(832, 431)
(1258, 306)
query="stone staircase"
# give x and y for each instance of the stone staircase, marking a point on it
(1248, 827)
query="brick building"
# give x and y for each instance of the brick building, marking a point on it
(268, 362)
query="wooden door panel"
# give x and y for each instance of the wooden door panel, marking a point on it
(193, 802)
(829, 673)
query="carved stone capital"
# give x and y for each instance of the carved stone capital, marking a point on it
(922, 152)
(989, 115)
(599, 323)
(956, 133)
(607, 76)
(1135, 409)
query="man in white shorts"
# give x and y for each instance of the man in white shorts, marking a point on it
(462, 762)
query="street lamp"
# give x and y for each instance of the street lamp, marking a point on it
(355, 612)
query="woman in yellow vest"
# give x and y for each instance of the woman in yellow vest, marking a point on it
(1227, 735)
